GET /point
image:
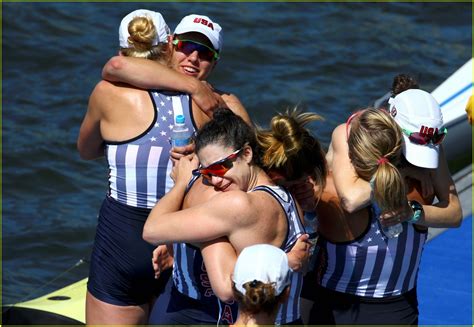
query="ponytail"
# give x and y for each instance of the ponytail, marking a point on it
(375, 150)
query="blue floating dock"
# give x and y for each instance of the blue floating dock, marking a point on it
(445, 278)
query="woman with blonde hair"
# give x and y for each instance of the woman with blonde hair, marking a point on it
(375, 142)
(131, 128)
(355, 257)
(365, 274)
(293, 157)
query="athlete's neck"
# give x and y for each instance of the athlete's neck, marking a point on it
(259, 319)
(258, 177)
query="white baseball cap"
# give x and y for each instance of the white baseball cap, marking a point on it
(204, 25)
(417, 111)
(162, 30)
(264, 263)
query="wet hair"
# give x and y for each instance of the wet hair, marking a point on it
(229, 130)
(403, 82)
(375, 142)
(142, 33)
(289, 148)
(259, 297)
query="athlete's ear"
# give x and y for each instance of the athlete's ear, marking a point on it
(247, 154)
(170, 42)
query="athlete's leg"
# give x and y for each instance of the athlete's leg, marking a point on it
(102, 313)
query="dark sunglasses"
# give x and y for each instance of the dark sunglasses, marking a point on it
(187, 47)
(218, 168)
(423, 139)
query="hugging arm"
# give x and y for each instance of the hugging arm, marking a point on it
(149, 74)
(90, 143)
(200, 223)
(353, 191)
(447, 211)
(219, 258)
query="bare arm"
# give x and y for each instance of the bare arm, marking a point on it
(219, 258)
(149, 74)
(354, 192)
(447, 211)
(90, 143)
(222, 216)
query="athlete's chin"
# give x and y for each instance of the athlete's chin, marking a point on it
(226, 188)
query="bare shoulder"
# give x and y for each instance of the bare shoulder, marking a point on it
(338, 137)
(234, 199)
(232, 102)
(235, 105)
(235, 205)
(339, 131)
(105, 89)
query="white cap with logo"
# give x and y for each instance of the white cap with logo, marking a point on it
(162, 30)
(262, 262)
(204, 25)
(417, 111)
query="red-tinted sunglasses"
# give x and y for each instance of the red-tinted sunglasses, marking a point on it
(187, 47)
(218, 168)
(422, 139)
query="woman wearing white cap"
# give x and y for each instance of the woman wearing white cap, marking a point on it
(195, 48)
(420, 119)
(131, 128)
(367, 278)
(261, 283)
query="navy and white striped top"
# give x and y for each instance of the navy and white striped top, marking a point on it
(139, 168)
(190, 277)
(373, 265)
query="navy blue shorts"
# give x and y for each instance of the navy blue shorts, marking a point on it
(336, 308)
(121, 272)
(175, 308)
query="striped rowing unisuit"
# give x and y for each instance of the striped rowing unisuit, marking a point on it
(139, 169)
(373, 265)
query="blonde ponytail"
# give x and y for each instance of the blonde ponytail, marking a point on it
(142, 34)
(375, 142)
(289, 148)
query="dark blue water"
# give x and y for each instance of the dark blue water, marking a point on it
(330, 58)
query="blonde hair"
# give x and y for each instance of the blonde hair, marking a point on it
(289, 148)
(375, 142)
(142, 33)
